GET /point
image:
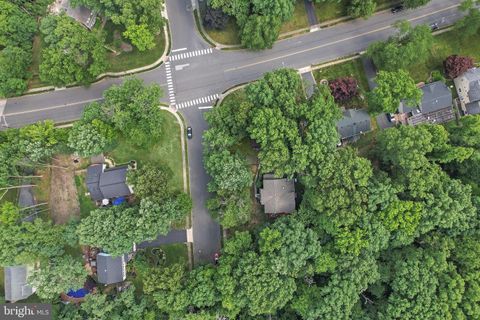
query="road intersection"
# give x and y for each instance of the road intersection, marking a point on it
(196, 74)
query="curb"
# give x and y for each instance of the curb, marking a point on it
(162, 59)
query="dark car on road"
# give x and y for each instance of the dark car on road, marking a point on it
(398, 8)
(434, 26)
(189, 133)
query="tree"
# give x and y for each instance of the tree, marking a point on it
(294, 135)
(142, 20)
(88, 139)
(85, 58)
(259, 21)
(135, 109)
(393, 87)
(411, 45)
(215, 18)
(140, 36)
(29, 241)
(156, 219)
(14, 62)
(361, 8)
(469, 25)
(151, 181)
(39, 141)
(57, 276)
(229, 172)
(17, 27)
(113, 229)
(231, 209)
(260, 32)
(344, 89)
(9, 213)
(415, 3)
(457, 65)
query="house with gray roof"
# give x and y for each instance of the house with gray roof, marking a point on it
(16, 286)
(353, 123)
(277, 195)
(435, 107)
(103, 183)
(468, 89)
(80, 13)
(111, 269)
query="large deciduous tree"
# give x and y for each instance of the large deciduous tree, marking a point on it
(294, 135)
(88, 139)
(411, 45)
(72, 54)
(14, 62)
(135, 110)
(58, 275)
(393, 87)
(142, 19)
(151, 181)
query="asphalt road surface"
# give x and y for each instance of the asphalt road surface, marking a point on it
(196, 75)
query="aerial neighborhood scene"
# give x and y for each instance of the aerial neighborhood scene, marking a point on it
(240, 159)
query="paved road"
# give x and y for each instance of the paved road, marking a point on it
(174, 236)
(197, 74)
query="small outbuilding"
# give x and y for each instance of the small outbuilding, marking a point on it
(105, 183)
(16, 286)
(277, 195)
(111, 269)
(354, 123)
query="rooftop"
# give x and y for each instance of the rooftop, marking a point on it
(111, 269)
(277, 195)
(16, 287)
(353, 123)
(107, 183)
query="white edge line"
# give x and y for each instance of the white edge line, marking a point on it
(208, 107)
(178, 50)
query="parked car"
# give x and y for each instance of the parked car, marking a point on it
(434, 26)
(398, 8)
(189, 133)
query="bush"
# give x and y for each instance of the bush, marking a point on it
(344, 89)
(215, 19)
(456, 65)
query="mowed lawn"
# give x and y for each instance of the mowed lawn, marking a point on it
(444, 45)
(166, 151)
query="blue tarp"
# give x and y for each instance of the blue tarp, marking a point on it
(80, 293)
(119, 201)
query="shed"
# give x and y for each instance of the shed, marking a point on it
(111, 269)
(16, 286)
(277, 195)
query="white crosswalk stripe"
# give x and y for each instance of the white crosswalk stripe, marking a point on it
(171, 91)
(197, 101)
(190, 54)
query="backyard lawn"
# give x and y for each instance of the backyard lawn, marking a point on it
(165, 151)
(86, 203)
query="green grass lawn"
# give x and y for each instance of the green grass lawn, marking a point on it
(166, 151)
(335, 10)
(86, 204)
(135, 59)
(445, 44)
(227, 36)
(299, 19)
(352, 68)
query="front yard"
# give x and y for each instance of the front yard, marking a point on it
(166, 151)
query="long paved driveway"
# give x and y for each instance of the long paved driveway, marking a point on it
(196, 75)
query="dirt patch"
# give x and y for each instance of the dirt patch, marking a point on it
(63, 192)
